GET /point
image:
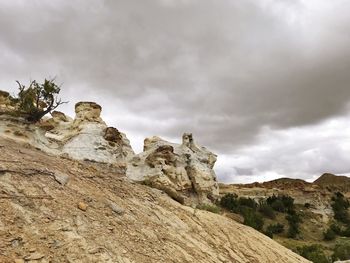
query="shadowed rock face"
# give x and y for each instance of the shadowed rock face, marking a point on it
(184, 171)
(112, 135)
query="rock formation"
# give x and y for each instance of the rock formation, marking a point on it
(184, 171)
(6, 102)
(86, 137)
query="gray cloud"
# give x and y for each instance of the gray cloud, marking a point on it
(221, 69)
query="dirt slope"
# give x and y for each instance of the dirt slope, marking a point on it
(124, 222)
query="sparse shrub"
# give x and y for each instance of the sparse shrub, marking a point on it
(230, 202)
(336, 228)
(283, 203)
(248, 202)
(244, 206)
(345, 232)
(266, 210)
(294, 220)
(341, 250)
(314, 253)
(340, 207)
(252, 218)
(274, 229)
(307, 205)
(278, 206)
(208, 207)
(329, 235)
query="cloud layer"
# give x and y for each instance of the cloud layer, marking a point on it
(235, 73)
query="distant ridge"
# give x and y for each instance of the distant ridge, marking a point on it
(281, 183)
(329, 180)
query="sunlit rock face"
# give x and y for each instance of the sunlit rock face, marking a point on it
(184, 171)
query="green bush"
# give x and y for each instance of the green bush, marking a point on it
(252, 218)
(329, 235)
(230, 202)
(341, 250)
(294, 220)
(248, 202)
(278, 206)
(340, 207)
(208, 207)
(266, 210)
(274, 229)
(336, 229)
(37, 100)
(282, 203)
(313, 253)
(345, 232)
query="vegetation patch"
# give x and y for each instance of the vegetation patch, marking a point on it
(208, 207)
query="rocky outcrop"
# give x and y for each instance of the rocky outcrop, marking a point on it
(6, 102)
(184, 171)
(88, 137)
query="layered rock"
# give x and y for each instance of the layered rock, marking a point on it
(184, 171)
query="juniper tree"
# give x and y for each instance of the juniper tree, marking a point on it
(37, 100)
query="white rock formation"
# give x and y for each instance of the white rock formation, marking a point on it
(184, 171)
(88, 137)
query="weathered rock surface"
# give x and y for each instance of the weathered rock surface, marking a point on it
(184, 171)
(6, 103)
(87, 137)
(40, 219)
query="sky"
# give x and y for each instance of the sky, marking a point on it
(262, 83)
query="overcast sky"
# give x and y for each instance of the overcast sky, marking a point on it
(263, 83)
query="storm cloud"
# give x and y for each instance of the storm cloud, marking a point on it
(242, 75)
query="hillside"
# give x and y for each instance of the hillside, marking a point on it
(118, 220)
(313, 203)
(73, 190)
(334, 182)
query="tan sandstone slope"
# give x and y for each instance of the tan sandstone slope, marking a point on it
(58, 210)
